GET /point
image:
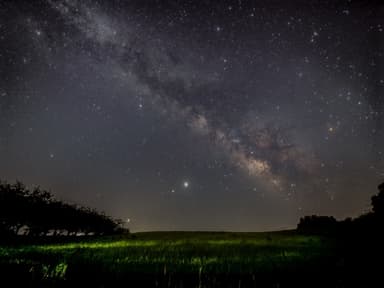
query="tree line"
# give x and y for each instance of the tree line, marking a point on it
(36, 212)
(371, 222)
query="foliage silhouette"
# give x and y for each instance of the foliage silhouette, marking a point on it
(366, 224)
(317, 224)
(37, 213)
(377, 201)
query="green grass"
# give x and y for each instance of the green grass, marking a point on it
(164, 255)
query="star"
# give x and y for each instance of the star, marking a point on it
(249, 102)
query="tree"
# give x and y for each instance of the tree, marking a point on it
(377, 201)
(317, 224)
(40, 213)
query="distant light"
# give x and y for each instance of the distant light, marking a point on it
(186, 184)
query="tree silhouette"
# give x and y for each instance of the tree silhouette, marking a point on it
(367, 223)
(39, 214)
(317, 224)
(377, 201)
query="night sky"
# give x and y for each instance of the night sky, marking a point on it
(195, 115)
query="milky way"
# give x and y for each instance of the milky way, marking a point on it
(214, 115)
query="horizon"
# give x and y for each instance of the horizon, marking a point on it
(210, 116)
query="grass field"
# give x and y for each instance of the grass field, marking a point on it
(171, 259)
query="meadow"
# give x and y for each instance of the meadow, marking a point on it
(174, 259)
